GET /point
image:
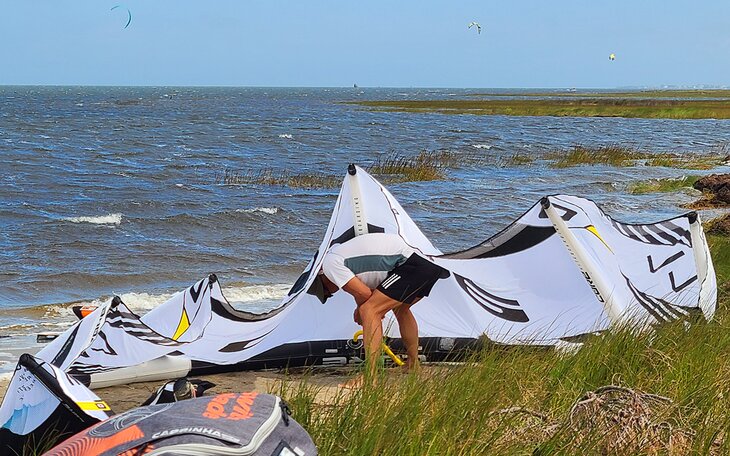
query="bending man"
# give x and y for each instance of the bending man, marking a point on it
(382, 273)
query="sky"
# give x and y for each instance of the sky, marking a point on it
(394, 43)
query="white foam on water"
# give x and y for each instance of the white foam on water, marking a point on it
(265, 295)
(286, 136)
(254, 293)
(109, 219)
(265, 210)
(481, 146)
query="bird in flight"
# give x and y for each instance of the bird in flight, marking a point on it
(129, 14)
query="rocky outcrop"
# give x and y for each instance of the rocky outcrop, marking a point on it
(716, 188)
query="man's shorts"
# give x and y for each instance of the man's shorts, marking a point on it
(411, 280)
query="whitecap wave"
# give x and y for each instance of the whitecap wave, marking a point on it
(265, 210)
(109, 219)
(286, 136)
(481, 146)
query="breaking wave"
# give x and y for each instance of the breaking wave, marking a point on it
(109, 219)
(286, 136)
(262, 297)
(481, 146)
(265, 210)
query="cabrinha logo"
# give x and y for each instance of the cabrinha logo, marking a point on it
(507, 309)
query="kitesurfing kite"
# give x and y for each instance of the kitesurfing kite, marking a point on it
(612, 56)
(603, 272)
(476, 24)
(129, 14)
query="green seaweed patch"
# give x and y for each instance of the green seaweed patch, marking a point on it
(664, 185)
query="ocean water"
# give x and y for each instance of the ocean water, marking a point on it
(117, 190)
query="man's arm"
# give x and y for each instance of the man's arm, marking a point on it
(358, 290)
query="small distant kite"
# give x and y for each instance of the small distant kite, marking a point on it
(476, 24)
(612, 57)
(129, 14)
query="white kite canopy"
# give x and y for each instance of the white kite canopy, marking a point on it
(563, 269)
(43, 404)
(113, 336)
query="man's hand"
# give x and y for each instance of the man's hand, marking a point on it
(356, 316)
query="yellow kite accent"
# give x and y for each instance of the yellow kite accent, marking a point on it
(182, 326)
(593, 230)
(93, 405)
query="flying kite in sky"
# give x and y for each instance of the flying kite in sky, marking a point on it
(476, 24)
(129, 14)
(612, 56)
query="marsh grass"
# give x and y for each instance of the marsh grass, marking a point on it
(622, 156)
(391, 167)
(526, 400)
(665, 185)
(426, 166)
(518, 159)
(613, 155)
(719, 94)
(631, 107)
(271, 177)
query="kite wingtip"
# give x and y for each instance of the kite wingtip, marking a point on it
(351, 170)
(545, 202)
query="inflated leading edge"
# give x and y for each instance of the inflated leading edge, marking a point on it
(563, 269)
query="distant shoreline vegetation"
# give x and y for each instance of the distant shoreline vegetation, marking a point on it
(654, 104)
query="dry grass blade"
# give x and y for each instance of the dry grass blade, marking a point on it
(627, 421)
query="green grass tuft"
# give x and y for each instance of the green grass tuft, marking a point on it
(426, 166)
(622, 156)
(605, 155)
(666, 185)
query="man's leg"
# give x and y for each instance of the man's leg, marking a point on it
(372, 312)
(409, 332)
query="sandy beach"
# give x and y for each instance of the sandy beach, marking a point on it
(125, 397)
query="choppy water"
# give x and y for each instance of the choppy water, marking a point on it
(115, 190)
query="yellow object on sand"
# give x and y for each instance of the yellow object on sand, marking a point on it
(396, 359)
